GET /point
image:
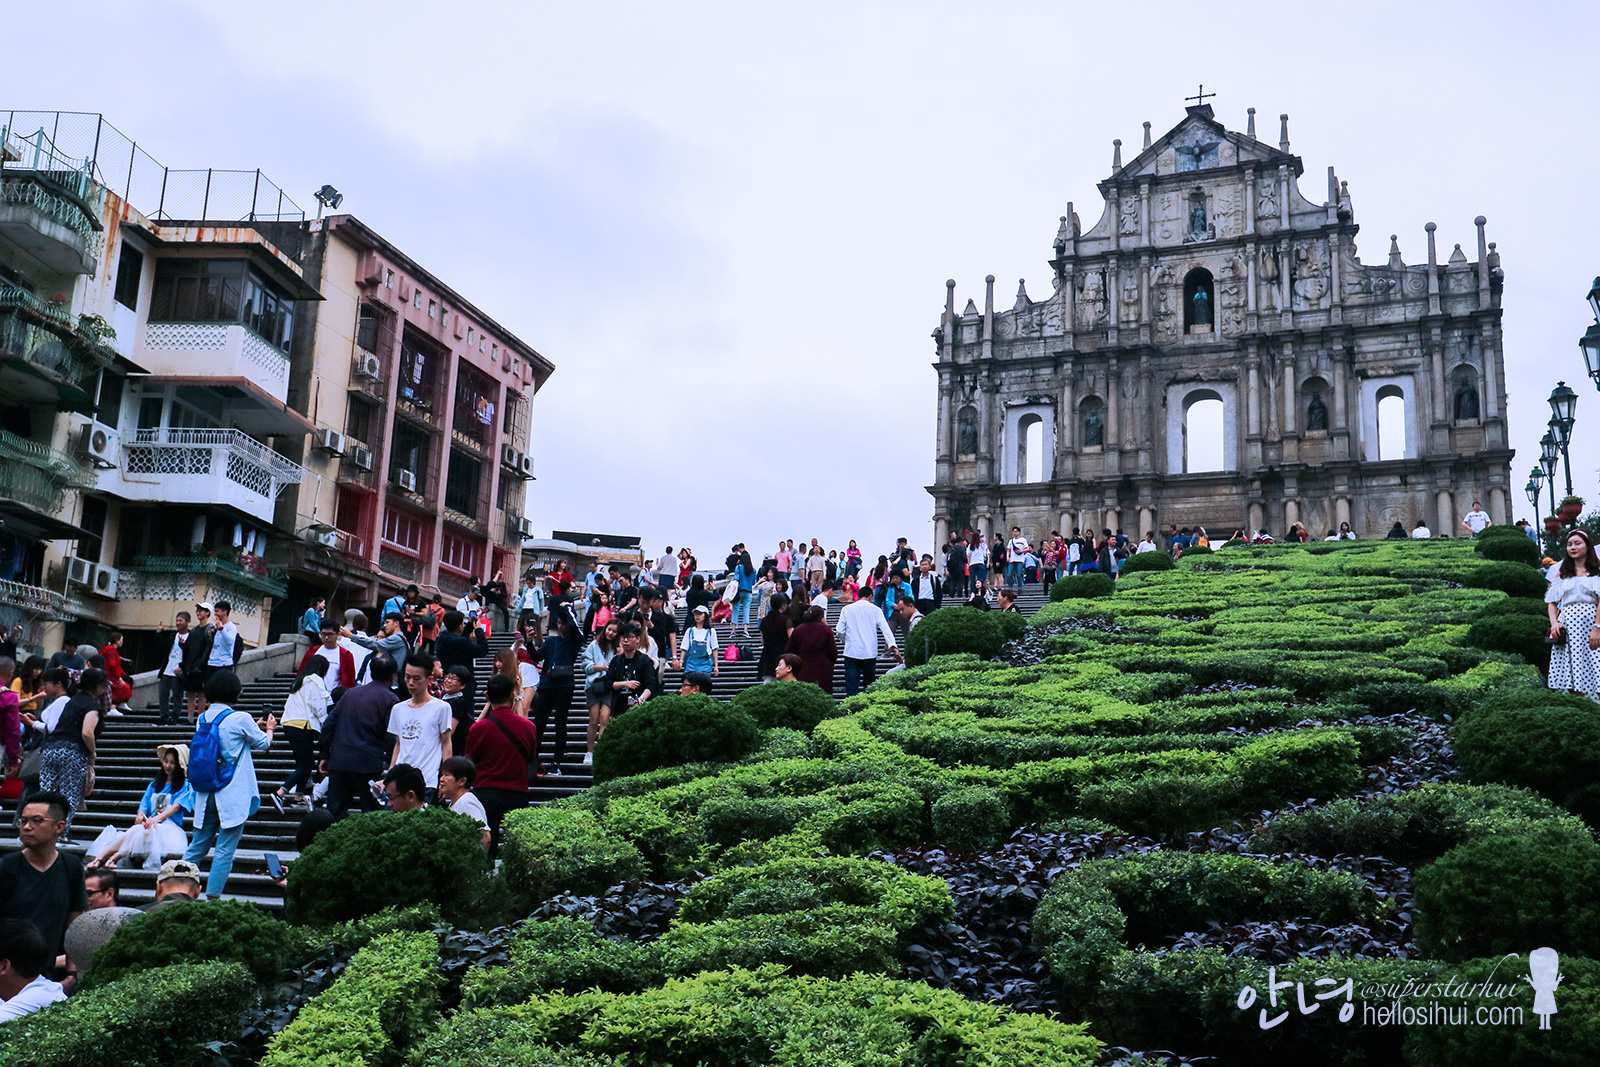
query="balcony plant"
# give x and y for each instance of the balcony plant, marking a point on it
(1571, 508)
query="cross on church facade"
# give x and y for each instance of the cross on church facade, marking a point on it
(1200, 97)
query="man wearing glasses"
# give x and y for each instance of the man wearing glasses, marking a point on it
(41, 885)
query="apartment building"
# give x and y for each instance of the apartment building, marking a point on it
(420, 461)
(205, 395)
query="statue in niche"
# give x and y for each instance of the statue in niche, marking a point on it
(1092, 306)
(1308, 285)
(1269, 280)
(1466, 400)
(1130, 297)
(1197, 218)
(1094, 430)
(1267, 206)
(1130, 216)
(1316, 413)
(967, 432)
(1202, 306)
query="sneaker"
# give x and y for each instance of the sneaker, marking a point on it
(588, 759)
(553, 772)
(277, 802)
(115, 713)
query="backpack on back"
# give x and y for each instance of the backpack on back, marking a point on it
(208, 771)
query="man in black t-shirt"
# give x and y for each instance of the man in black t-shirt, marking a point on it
(40, 884)
(663, 627)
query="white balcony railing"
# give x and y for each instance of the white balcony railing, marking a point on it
(204, 466)
(214, 349)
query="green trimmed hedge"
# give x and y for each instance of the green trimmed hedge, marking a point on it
(386, 999)
(791, 705)
(1515, 579)
(202, 931)
(1522, 634)
(960, 629)
(556, 954)
(364, 863)
(1541, 740)
(673, 729)
(1146, 561)
(1571, 1041)
(1089, 915)
(1512, 549)
(742, 1017)
(973, 819)
(152, 1019)
(1515, 605)
(1079, 586)
(550, 849)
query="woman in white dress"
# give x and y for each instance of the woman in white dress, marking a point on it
(1572, 598)
(157, 829)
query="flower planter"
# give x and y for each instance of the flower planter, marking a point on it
(1569, 512)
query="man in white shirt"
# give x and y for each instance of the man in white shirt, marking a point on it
(1147, 545)
(925, 587)
(821, 599)
(421, 726)
(859, 625)
(1016, 554)
(224, 640)
(170, 696)
(23, 959)
(1421, 532)
(456, 776)
(666, 569)
(1477, 520)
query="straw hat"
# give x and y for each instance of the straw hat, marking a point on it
(181, 750)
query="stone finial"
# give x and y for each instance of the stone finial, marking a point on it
(1458, 257)
(950, 297)
(1023, 303)
(1283, 131)
(1116, 155)
(1147, 135)
(1395, 259)
(970, 309)
(1250, 126)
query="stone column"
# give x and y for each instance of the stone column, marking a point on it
(1068, 430)
(1250, 211)
(946, 421)
(1113, 520)
(1257, 519)
(1447, 517)
(1441, 399)
(988, 431)
(1290, 397)
(1291, 513)
(941, 532)
(1341, 511)
(1497, 505)
(1252, 391)
(1113, 405)
(1147, 519)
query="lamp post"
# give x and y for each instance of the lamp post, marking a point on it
(1535, 485)
(1563, 403)
(1532, 489)
(1549, 452)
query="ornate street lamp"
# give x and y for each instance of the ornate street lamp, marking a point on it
(1532, 489)
(1594, 299)
(1549, 452)
(1589, 343)
(1563, 405)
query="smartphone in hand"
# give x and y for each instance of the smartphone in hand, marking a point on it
(274, 866)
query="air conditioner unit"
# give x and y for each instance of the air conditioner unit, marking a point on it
(105, 582)
(325, 538)
(80, 571)
(369, 366)
(407, 481)
(361, 457)
(509, 456)
(99, 443)
(525, 527)
(331, 441)
(525, 466)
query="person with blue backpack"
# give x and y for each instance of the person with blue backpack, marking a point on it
(222, 774)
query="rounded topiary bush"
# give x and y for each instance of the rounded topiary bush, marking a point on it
(1517, 579)
(973, 819)
(960, 629)
(1516, 549)
(201, 931)
(1509, 894)
(1198, 550)
(1077, 586)
(794, 705)
(1541, 740)
(674, 729)
(384, 859)
(1522, 634)
(1502, 530)
(1515, 605)
(1146, 561)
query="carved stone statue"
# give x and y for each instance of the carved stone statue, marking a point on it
(1197, 218)
(1201, 302)
(1316, 413)
(1129, 222)
(967, 432)
(1466, 400)
(1094, 430)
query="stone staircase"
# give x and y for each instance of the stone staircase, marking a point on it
(127, 761)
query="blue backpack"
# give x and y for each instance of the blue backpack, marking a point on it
(208, 771)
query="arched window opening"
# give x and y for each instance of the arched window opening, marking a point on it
(1391, 423)
(1316, 397)
(1030, 449)
(1091, 415)
(967, 431)
(1464, 398)
(1202, 433)
(1199, 301)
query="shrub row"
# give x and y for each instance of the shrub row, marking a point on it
(961, 630)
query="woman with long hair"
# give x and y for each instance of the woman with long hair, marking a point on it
(28, 682)
(775, 627)
(509, 663)
(303, 715)
(978, 559)
(596, 661)
(66, 765)
(157, 830)
(1571, 600)
(558, 658)
(852, 560)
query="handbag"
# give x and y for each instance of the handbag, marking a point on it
(1559, 640)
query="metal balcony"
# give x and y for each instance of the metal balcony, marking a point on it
(168, 465)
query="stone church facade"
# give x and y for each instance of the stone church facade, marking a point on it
(1210, 277)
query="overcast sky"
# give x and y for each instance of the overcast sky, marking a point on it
(729, 226)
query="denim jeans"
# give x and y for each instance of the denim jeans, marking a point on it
(858, 674)
(742, 609)
(303, 743)
(1014, 575)
(227, 841)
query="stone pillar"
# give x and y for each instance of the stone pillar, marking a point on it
(1147, 519)
(1283, 214)
(980, 520)
(1252, 393)
(1497, 505)
(1113, 406)
(1341, 511)
(1291, 513)
(941, 532)
(1491, 375)
(1257, 519)
(1339, 413)
(946, 421)
(1067, 432)
(1250, 213)
(1291, 399)
(1447, 517)
(1441, 399)
(988, 431)
(1113, 520)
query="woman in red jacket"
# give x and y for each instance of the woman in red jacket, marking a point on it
(813, 641)
(121, 691)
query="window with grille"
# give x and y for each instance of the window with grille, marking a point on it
(358, 420)
(222, 290)
(459, 552)
(462, 483)
(408, 451)
(130, 268)
(404, 530)
(475, 403)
